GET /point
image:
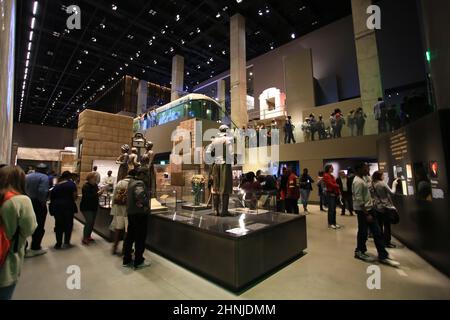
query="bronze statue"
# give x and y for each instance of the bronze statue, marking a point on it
(133, 162)
(147, 160)
(123, 161)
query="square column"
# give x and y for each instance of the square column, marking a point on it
(368, 63)
(238, 72)
(177, 77)
(221, 94)
(142, 97)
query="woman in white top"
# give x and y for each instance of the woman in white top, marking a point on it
(18, 222)
(381, 193)
(119, 211)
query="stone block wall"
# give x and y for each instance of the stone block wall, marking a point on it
(102, 135)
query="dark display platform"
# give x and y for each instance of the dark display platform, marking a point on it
(201, 243)
(235, 261)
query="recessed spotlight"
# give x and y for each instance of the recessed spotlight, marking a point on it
(218, 15)
(182, 41)
(31, 35)
(209, 45)
(224, 52)
(29, 46)
(198, 30)
(86, 52)
(102, 26)
(260, 12)
(93, 39)
(293, 35)
(114, 7)
(238, 1)
(155, 62)
(177, 17)
(33, 20)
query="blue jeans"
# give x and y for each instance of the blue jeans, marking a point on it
(331, 199)
(363, 227)
(6, 293)
(304, 194)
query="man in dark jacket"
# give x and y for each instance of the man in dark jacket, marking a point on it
(345, 184)
(138, 209)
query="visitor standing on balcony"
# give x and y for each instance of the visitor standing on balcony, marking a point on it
(321, 128)
(351, 123)
(306, 128)
(360, 121)
(333, 125)
(340, 122)
(380, 112)
(332, 194)
(313, 126)
(289, 131)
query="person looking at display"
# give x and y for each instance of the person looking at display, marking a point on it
(89, 206)
(18, 221)
(332, 193)
(367, 220)
(381, 193)
(108, 182)
(119, 210)
(138, 209)
(37, 188)
(292, 192)
(305, 189)
(97, 175)
(62, 208)
(345, 185)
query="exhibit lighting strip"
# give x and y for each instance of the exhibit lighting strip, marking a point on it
(28, 56)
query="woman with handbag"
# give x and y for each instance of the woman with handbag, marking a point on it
(387, 213)
(119, 210)
(63, 208)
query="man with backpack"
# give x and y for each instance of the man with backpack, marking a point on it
(138, 209)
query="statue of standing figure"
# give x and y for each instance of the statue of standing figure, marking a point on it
(147, 161)
(133, 162)
(122, 160)
(221, 149)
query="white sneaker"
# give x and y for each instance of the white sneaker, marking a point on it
(35, 253)
(390, 262)
(332, 226)
(306, 212)
(143, 265)
(338, 226)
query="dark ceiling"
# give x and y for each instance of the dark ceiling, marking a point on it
(138, 38)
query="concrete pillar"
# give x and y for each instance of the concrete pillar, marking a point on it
(238, 71)
(177, 77)
(221, 94)
(299, 84)
(368, 63)
(436, 26)
(142, 97)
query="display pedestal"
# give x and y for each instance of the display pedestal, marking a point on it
(157, 207)
(235, 252)
(192, 207)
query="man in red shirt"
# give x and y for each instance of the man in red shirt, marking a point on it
(292, 193)
(332, 194)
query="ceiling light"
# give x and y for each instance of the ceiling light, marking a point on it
(293, 35)
(198, 30)
(218, 15)
(93, 39)
(154, 37)
(267, 10)
(28, 55)
(35, 7)
(155, 62)
(31, 35)
(27, 63)
(163, 31)
(150, 42)
(225, 8)
(224, 52)
(238, 1)
(152, 12)
(32, 22)
(260, 12)
(131, 58)
(114, 7)
(126, 64)
(187, 73)
(171, 49)
(102, 26)
(86, 52)
(210, 45)
(79, 62)
(182, 41)
(29, 46)
(177, 18)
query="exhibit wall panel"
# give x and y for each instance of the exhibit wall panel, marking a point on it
(7, 60)
(35, 136)
(419, 154)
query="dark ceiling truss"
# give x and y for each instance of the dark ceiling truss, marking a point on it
(71, 70)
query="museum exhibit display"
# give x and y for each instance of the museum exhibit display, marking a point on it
(419, 156)
(227, 113)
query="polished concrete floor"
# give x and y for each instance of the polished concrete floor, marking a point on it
(327, 271)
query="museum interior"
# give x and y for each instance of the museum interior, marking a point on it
(224, 150)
